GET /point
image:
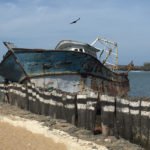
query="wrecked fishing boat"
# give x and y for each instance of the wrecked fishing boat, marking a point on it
(72, 67)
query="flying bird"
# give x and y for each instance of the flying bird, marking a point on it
(75, 21)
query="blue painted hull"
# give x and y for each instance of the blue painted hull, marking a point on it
(26, 64)
(44, 63)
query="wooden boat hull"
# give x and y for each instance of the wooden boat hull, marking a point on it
(53, 68)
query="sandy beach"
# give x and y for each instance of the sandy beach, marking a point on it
(18, 138)
(28, 134)
(20, 129)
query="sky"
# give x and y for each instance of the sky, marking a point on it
(43, 23)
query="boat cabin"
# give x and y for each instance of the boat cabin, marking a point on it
(77, 46)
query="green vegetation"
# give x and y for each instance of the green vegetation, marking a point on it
(146, 66)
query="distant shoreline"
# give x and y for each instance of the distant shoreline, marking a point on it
(134, 68)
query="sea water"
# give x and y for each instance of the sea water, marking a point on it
(139, 83)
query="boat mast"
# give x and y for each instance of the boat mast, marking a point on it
(110, 46)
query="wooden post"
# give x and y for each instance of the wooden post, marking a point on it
(107, 114)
